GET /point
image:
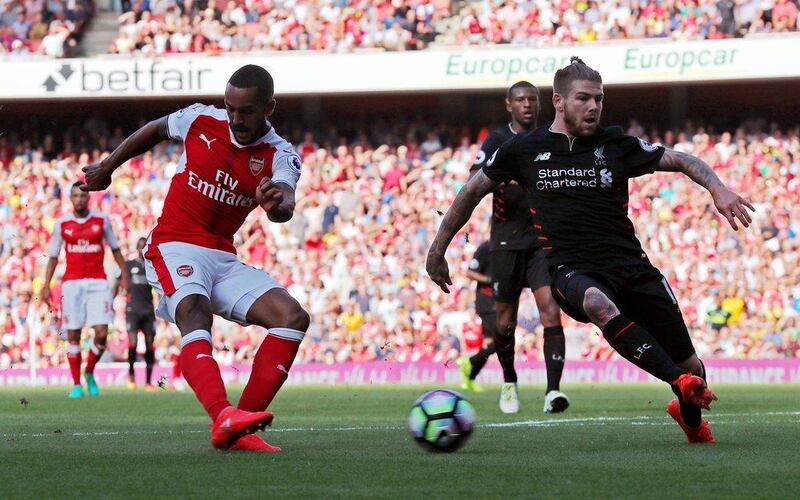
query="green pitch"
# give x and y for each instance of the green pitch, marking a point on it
(615, 441)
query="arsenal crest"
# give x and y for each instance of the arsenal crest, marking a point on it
(256, 165)
(185, 270)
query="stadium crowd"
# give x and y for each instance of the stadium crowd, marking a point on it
(168, 26)
(49, 27)
(214, 26)
(545, 22)
(369, 204)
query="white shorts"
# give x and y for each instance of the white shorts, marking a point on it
(86, 302)
(178, 269)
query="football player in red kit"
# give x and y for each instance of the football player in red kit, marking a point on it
(87, 298)
(233, 161)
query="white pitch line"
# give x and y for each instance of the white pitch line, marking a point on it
(633, 420)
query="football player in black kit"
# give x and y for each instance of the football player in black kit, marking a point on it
(575, 174)
(480, 271)
(517, 262)
(140, 316)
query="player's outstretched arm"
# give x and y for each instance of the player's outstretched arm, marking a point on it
(729, 204)
(98, 176)
(478, 186)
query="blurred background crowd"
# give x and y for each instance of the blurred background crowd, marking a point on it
(52, 27)
(370, 200)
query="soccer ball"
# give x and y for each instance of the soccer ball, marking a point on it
(441, 420)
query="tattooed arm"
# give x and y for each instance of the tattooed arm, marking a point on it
(729, 204)
(478, 186)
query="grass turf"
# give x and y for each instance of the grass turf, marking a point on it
(615, 441)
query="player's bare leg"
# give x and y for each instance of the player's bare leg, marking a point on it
(74, 359)
(133, 344)
(636, 345)
(554, 347)
(193, 317)
(504, 342)
(287, 322)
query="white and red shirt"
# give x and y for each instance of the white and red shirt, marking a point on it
(83, 239)
(214, 187)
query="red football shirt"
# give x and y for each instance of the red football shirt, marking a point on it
(214, 187)
(83, 240)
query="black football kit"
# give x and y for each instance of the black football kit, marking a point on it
(516, 261)
(577, 192)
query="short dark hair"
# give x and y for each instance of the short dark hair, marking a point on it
(75, 184)
(576, 70)
(522, 84)
(251, 75)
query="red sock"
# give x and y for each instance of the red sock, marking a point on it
(176, 367)
(95, 353)
(270, 368)
(74, 359)
(202, 372)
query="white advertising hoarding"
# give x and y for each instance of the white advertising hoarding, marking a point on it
(454, 69)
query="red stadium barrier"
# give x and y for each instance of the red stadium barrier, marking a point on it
(774, 371)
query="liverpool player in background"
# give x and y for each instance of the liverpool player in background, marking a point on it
(518, 262)
(86, 294)
(233, 161)
(480, 271)
(575, 174)
(140, 316)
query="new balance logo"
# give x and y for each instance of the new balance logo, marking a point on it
(283, 369)
(200, 356)
(206, 140)
(542, 157)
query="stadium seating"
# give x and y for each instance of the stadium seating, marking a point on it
(354, 252)
(545, 22)
(222, 26)
(225, 26)
(43, 27)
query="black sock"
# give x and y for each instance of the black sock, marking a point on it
(478, 360)
(504, 344)
(131, 361)
(690, 413)
(636, 345)
(149, 359)
(554, 350)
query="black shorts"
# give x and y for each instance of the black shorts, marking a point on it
(513, 270)
(488, 321)
(144, 322)
(639, 291)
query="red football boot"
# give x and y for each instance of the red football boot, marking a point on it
(695, 391)
(254, 442)
(233, 423)
(701, 434)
